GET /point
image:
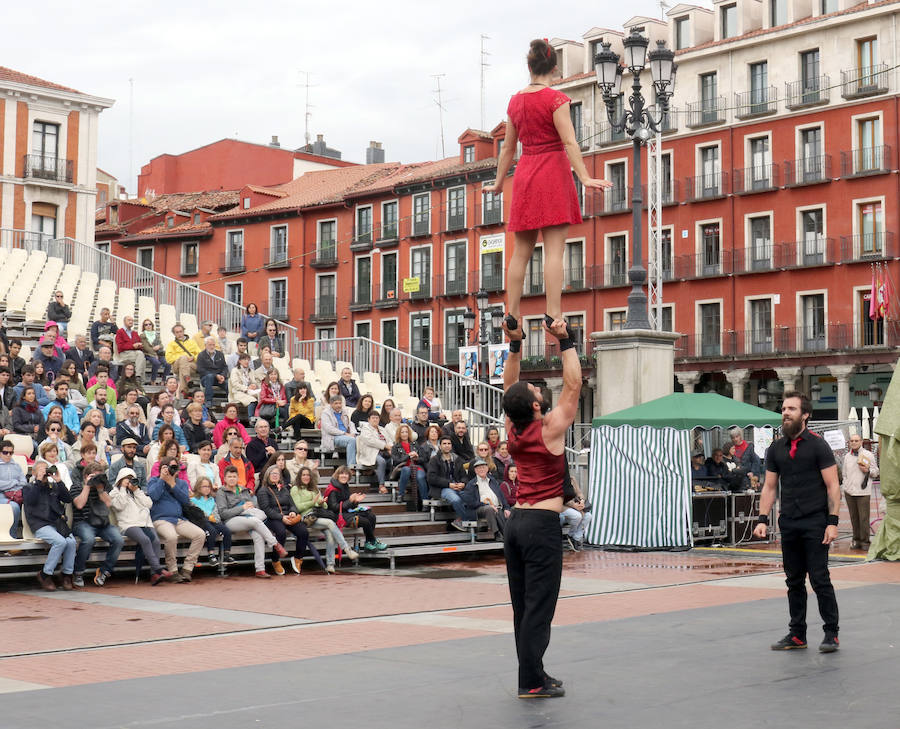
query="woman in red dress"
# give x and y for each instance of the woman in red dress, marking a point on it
(544, 198)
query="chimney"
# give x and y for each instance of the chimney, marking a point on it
(374, 153)
(319, 147)
(274, 142)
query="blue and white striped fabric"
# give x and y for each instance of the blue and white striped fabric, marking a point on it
(640, 487)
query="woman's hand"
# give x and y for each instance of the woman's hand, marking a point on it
(595, 183)
(494, 187)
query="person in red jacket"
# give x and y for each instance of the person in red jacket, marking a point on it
(237, 459)
(130, 347)
(230, 420)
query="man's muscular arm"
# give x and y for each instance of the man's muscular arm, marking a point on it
(514, 361)
(565, 409)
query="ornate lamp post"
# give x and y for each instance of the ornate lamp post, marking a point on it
(481, 335)
(638, 123)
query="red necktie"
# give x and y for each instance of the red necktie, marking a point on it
(794, 447)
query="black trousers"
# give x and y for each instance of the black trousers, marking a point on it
(213, 530)
(366, 522)
(804, 554)
(299, 530)
(297, 423)
(533, 550)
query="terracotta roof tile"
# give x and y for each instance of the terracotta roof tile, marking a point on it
(213, 200)
(8, 74)
(274, 192)
(160, 230)
(108, 228)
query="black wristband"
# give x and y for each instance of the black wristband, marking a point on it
(565, 344)
(763, 519)
(515, 345)
(832, 520)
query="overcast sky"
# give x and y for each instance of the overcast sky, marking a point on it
(207, 70)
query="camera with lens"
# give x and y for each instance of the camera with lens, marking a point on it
(52, 470)
(98, 480)
(173, 469)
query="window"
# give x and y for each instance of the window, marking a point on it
(145, 258)
(420, 267)
(812, 166)
(422, 214)
(828, 6)
(170, 221)
(534, 272)
(812, 308)
(709, 97)
(759, 87)
(45, 143)
(708, 184)
(681, 33)
(420, 335)
(389, 221)
(711, 249)
(456, 208)
(616, 197)
(469, 153)
(492, 210)
(235, 251)
(759, 173)
(389, 333)
(729, 20)
(326, 249)
(364, 225)
(710, 329)
(618, 263)
(197, 217)
(871, 332)
(389, 276)
(615, 320)
(325, 304)
(234, 294)
(665, 173)
(760, 325)
(575, 322)
(574, 265)
(596, 47)
(278, 298)
(760, 253)
(325, 347)
(189, 259)
(246, 203)
(667, 323)
(579, 193)
(665, 245)
(871, 228)
(455, 337)
(576, 115)
(278, 244)
(778, 12)
(455, 267)
(867, 59)
(363, 329)
(43, 223)
(810, 86)
(534, 344)
(103, 255)
(867, 155)
(812, 227)
(363, 293)
(492, 271)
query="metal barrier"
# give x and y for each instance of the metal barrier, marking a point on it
(145, 282)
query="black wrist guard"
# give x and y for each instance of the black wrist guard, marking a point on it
(515, 345)
(832, 520)
(565, 344)
(763, 519)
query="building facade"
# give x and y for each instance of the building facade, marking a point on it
(48, 157)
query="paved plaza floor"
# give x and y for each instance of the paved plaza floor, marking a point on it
(641, 640)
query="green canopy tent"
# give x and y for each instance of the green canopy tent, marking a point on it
(640, 473)
(886, 544)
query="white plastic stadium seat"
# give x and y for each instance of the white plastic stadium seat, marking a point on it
(146, 310)
(401, 391)
(22, 444)
(167, 319)
(125, 307)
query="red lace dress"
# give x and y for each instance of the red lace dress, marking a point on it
(543, 186)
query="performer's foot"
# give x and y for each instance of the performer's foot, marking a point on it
(547, 691)
(789, 642)
(511, 322)
(552, 681)
(550, 322)
(830, 644)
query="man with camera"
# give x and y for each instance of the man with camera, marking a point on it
(45, 498)
(90, 519)
(170, 495)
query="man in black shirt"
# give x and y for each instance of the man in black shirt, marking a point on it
(810, 503)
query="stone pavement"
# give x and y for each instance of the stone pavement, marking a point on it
(639, 637)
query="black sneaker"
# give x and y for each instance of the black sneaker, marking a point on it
(213, 560)
(829, 644)
(789, 642)
(547, 691)
(552, 681)
(229, 559)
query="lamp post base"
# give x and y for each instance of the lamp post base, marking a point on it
(637, 316)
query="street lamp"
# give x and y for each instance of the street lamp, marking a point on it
(639, 124)
(481, 335)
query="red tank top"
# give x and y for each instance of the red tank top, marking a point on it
(541, 472)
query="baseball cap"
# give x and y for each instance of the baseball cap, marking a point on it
(129, 441)
(479, 462)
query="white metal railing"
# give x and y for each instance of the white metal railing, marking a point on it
(145, 282)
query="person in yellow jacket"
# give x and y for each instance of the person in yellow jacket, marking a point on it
(182, 353)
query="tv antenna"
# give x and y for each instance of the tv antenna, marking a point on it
(484, 65)
(307, 113)
(663, 6)
(437, 77)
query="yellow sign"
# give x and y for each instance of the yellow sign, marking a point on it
(411, 285)
(492, 243)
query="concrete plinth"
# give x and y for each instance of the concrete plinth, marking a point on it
(633, 367)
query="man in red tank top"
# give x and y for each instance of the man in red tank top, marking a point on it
(532, 539)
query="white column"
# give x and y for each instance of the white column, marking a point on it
(789, 376)
(842, 373)
(738, 379)
(688, 379)
(555, 385)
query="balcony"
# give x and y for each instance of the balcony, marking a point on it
(574, 279)
(608, 135)
(858, 83)
(326, 255)
(616, 200)
(758, 102)
(276, 257)
(812, 170)
(451, 286)
(424, 292)
(703, 265)
(360, 298)
(324, 310)
(584, 133)
(390, 235)
(231, 263)
(362, 240)
(866, 161)
(539, 355)
(868, 246)
(489, 281)
(387, 296)
(759, 178)
(534, 283)
(705, 113)
(670, 122)
(613, 274)
(807, 92)
(706, 187)
(48, 168)
(456, 221)
(490, 214)
(421, 225)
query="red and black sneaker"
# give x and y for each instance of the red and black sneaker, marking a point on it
(830, 643)
(789, 642)
(547, 691)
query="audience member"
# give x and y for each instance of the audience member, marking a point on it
(26, 415)
(273, 404)
(195, 430)
(165, 433)
(12, 483)
(204, 467)
(130, 460)
(49, 356)
(749, 464)
(154, 351)
(90, 520)
(103, 330)
(448, 427)
(59, 311)
(53, 431)
(253, 325)
(280, 460)
(349, 509)
(85, 450)
(170, 495)
(273, 339)
(128, 398)
(167, 417)
(447, 478)
(222, 450)
(226, 346)
(501, 456)
(348, 388)
(429, 445)
(211, 367)
(181, 354)
(395, 420)
(52, 332)
(132, 428)
(298, 379)
(42, 376)
(49, 453)
(229, 420)
(69, 412)
(577, 515)
(484, 499)
(421, 423)
(462, 446)
(236, 458)
(274, 498)
(493, 438)
(205, 333)
(104, 359)
(364, 406)
(16, 363)
(129, 380)
(28, 380)
(432, 404)
(301, 460)
(202, 497)
(332, 391)
(301, 411)
(338, 432)
(857, 469)
(76, 381)
(157, 403)
(171, 387)
(44, 498)
(263, 365)
(387, 407)
(310, 503)
(130, 347)
(405, 458)
(510, 485)
(242, 385)
(373, 449)
(81, 355)
(132, 505)
(261, 446)
(483, 451)
(100, 404)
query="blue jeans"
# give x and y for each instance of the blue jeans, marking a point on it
(86, 535)
(455, 500)
(208, 382)
(381, 466)
(157, 364)
(17, 514)
(348, 442)
(420, 480)
(60, 547)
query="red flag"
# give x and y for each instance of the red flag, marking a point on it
(888, 293)
(873, 297)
